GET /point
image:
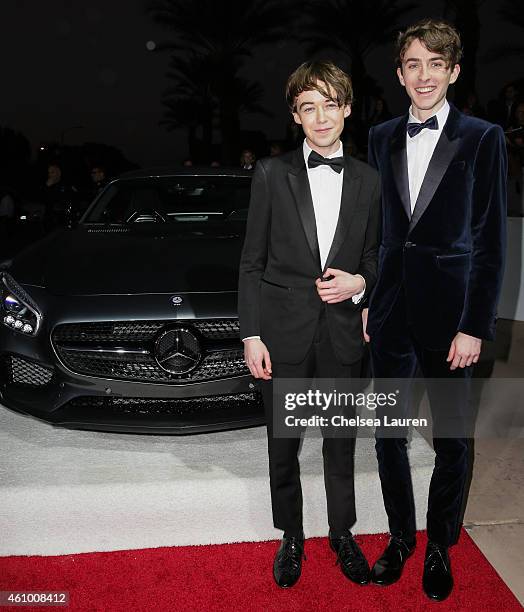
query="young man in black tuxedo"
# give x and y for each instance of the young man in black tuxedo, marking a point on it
(441, 261)
(313, 216)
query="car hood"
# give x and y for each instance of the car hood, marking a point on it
(88, 261)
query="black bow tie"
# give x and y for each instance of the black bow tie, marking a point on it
(416, 128)
(315, 159)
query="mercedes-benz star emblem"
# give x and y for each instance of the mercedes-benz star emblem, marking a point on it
(177, 350)
(176, 300)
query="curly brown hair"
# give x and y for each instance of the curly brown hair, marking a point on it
(307, 77)
(437, 36)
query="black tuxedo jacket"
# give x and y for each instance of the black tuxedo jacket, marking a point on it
(280, 261)
(448, 254)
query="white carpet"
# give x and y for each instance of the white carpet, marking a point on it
(65, 491)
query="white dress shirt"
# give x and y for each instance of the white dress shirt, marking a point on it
(325, 185)
(420, 149)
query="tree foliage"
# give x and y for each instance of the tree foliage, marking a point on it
(210, 42)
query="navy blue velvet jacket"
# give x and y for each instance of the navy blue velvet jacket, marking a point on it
(448, 254)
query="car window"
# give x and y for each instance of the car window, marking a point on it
(173, 200)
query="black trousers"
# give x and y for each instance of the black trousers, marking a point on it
(396, 353)
(338, 453)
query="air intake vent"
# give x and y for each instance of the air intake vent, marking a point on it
(108, 230)
(27, 373)
(164, 407)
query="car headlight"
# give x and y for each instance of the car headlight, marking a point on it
(18, 310)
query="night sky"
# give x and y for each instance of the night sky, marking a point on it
(71, 64)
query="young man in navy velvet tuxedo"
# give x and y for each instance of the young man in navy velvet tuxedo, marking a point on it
(441, 262)
(310, 255)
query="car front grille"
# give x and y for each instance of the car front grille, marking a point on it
(135, 331)
(125, 350)
(168, 407)
(26, 373)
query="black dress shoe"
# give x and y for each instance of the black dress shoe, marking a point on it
(437, 580)
(351, 559)
(389, 566)
(288, 561)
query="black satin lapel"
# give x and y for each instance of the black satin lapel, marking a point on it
(399, 163)
(299, 184)
(442, 155)
(348, 202)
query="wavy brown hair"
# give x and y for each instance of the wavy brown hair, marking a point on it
(437, 36)
(308, 76)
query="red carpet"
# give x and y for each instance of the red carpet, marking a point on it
(238, 577)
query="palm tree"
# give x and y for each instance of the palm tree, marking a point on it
(231, 26)
(202, 95)
(190, 102)
(235, 96)
(222, 34)
(353, 28)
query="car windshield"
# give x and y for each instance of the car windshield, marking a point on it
(179, 199)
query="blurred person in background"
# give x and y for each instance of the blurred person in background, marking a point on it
(380, 112)
(275, 148)
(472, 106)
(500, 110)
(99, 178)
(247, 159)
(58, 198)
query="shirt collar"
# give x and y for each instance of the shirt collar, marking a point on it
(307, 150)
(441, 116)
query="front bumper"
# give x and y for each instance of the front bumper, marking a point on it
(64, 399)
(36, 379)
